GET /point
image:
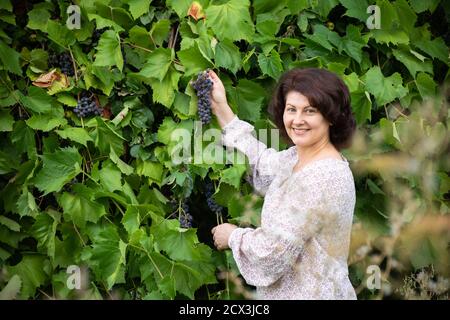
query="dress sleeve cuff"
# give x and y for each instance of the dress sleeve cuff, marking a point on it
(235, 237)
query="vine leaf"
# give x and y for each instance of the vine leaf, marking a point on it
(58, 168)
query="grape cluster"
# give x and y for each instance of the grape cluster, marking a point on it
(209, 192)
(202, 86)
(186, 218)
(96, 36)
(62, 61)
(86, 106)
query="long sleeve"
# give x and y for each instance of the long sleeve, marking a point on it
(264, 254)
(264, 162)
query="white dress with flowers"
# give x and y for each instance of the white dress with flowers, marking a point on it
(300, 250)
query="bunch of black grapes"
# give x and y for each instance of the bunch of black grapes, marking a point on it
(62, 61)
(87, 106)
(213, 206)
(202, 86)
(186, 218)
(96, 36)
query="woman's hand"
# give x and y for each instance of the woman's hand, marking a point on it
(219, 104)
(221, 234)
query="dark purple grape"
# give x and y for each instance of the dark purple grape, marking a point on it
(186, 218)
(202, 86)
(87, 106)
(213, 206)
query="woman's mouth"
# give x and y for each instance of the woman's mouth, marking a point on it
(300, 131)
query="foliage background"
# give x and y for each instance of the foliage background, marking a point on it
(117, 221)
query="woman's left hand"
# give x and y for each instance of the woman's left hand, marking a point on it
(221, 233)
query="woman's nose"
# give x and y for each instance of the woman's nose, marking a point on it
(298, 119)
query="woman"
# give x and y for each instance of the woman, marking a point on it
(301, 249)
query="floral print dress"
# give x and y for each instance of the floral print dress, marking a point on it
(300, 250)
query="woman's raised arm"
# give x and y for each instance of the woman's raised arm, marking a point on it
(265, 162)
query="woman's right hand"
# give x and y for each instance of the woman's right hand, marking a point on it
(219, 104)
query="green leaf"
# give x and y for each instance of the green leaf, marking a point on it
(67, 99)
(138, 7)
(164, 91)
(60, 34)
(188, 276)
(179, 244)
(153, 170)
(391, 30)
(38, 19)
(75, 134)
(269, 23)
(9, 223)
(421, 6)
(193, 60)
(227, 55)
(107, 256)
(361, 105)
(31, 272)
(6, 121)
(58, 168)
(271, 65)
(233, 175)
(107, 138)
(412, 62)
(131, 219)
(356, 9)
(11, 238)
(157, 65)
(26, 205)
(10, 59)
(230, 20)
(168, 126)
(123, 167)
(80, 208)
(167, 286)
(321, 36)
(323, 7)
(426, 85)
(160, 31)
(436, 48)
(250, 97)
(45, 122)
(110, 177)
(385, 89)
(12, 288)
(44, 231)
(37, 100)
(181, 7)
(104, 23)
(108, 51)
(352, 43)
(6, 4)
(406, 16)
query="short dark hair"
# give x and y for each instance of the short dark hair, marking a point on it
(326, 92)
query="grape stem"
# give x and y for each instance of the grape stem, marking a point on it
(74, 66)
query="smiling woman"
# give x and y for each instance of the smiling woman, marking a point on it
(300, 250)
(328, 101)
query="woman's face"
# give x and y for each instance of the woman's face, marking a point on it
(304, 124)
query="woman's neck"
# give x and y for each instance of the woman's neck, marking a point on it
(315, 151)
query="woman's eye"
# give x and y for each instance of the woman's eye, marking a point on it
(310, 110)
